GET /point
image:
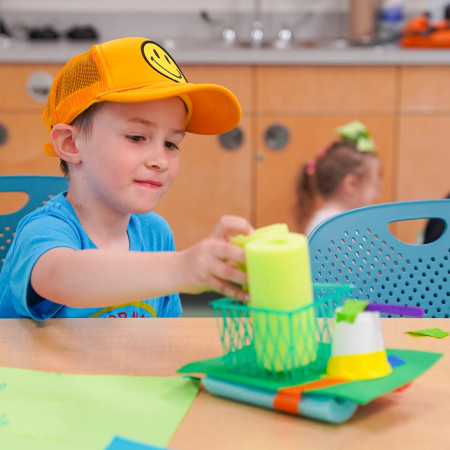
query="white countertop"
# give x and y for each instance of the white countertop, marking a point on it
(218, 53)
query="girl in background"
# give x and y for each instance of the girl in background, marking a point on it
(345, 175)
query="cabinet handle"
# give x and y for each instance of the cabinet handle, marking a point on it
(3, 134)
(38, 86)
(232, 140)
(276, 137)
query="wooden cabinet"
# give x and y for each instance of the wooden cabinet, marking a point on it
(407, 110)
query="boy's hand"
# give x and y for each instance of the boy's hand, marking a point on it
(210, 265)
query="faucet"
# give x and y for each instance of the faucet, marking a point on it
(228, 33)
(257, 32)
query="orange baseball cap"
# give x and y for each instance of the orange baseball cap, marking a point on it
(136, 69)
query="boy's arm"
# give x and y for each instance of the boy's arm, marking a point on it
(99, 278)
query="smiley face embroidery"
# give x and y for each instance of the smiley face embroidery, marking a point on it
(161, 61)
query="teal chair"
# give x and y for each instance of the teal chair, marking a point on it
(356, 247)
(39, 188)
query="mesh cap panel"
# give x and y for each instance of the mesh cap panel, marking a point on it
(77, 84)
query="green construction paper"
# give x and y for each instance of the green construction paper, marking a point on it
(215, 367)
(433, 332)
(361, 392)
(61, 411)
(350, 310)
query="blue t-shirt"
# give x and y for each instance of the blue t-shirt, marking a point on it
(56, 225)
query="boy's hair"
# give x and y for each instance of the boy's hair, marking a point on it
(325, 174)
(135, 69)
(84, 123)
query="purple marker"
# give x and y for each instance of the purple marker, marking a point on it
(395, 309)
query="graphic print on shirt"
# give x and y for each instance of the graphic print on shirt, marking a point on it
(127, 310)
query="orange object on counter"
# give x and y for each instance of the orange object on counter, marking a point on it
(421, 33)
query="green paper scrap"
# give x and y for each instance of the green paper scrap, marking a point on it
(61, 411)
(433, 332)
(350, 310)
(361, 392)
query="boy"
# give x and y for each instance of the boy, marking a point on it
(116, 116)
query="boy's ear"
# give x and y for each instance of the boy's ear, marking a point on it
(64, 142)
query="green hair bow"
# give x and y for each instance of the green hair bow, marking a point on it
(357, 133)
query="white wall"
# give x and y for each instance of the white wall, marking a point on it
(189, 5)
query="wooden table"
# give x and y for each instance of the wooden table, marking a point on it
(416, 418)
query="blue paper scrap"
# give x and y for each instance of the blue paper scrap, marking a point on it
(120, 443)
(395, 361)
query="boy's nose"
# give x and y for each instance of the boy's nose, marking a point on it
(157, 158)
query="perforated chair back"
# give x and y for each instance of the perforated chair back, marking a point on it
(357, 247)
(39, 188)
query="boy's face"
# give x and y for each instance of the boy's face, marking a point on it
(132, 156)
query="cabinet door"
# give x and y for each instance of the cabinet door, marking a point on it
(212, 181)
(423, 163)
(424, 89)
(326, 89)
(277, 170)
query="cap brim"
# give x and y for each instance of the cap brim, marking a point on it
(215, 109)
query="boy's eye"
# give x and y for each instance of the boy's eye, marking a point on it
(135, 138)
(171, 146)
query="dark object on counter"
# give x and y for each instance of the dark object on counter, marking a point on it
(43, 34)
(447, 12)
(82, 33)
(3, 29)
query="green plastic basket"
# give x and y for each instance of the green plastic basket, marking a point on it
(284, 345)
